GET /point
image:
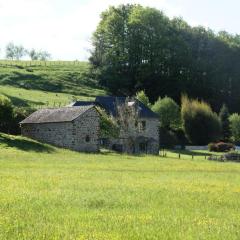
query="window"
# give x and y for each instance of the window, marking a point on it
(142, 126)
(87, 138)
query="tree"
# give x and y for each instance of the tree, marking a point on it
(168, 112)
(127, 119)
(39, 55)
(15, 52)
(43, 55)
(235, 127)
(33, 54)
(224, 118)
(143, 98)
(6, 114)
(200, 123)
(137, 47)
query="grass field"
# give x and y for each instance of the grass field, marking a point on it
(50, 85)
(49, 193)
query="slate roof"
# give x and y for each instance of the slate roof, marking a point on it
(109, 104)
(82, 103)
(54, 115)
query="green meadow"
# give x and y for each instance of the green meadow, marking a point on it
(28, 84)
(51, 193)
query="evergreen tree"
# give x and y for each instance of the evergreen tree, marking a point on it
(224, 118)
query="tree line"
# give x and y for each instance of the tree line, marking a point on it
(192, 122)
(16, 52)
(139, 48)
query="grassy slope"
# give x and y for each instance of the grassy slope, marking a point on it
(68, 195)
(47, 85)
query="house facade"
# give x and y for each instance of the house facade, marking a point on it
(145, 137)
(76, 128)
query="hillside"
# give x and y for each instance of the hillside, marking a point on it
(70, 195)
(51, 84)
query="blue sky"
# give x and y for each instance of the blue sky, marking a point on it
(64, 27)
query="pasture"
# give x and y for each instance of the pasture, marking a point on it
(42, 84)
(51, 193)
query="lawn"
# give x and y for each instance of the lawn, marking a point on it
(50, 193)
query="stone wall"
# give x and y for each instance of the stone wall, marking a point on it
(151, 131)
(82, 134)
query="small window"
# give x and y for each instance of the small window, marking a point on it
(87, 138)
(142, 126)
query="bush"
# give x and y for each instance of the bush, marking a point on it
(235, 127)
(18, 115)
(200, 123)
(6, 114)
(221, 147)
(108, 125)
(143, 98)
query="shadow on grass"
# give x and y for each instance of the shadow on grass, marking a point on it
(23, 103)
(190, 153)
(24, 144)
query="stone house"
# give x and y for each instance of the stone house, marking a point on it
(146, 140)
(76, 128)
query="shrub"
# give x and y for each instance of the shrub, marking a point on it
(143, 98)
(200, 123)
(108, 125)
(6, 114)
(235, 127)
(18, 115)
(221, 147)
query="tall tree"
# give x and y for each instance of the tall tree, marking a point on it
(200, 123)
(136, 48)
(224, 118)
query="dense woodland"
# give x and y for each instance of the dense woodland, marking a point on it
(140, 48)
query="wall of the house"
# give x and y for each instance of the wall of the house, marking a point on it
(72, 135)
(151, 131)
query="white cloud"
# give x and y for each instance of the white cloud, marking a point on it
(63, 28)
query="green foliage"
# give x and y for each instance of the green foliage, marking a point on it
(168, 138)
(224, 118)
(142, 97)
(108, 125)
(70, 195)
(169, 113)
(15, 52)
(6, 113)
(200, 123)
(138, 47)
(235, 127)
(19, 114)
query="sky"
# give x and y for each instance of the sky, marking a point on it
(64, 27)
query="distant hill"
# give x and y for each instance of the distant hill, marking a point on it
(38, 84)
